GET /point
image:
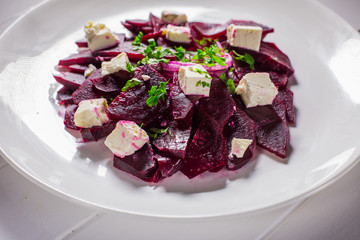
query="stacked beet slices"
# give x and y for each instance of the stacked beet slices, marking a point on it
(199, 130)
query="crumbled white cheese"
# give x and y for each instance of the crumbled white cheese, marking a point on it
(256, 89)
(89, 71)
(116, 64)
(91, 113)
(244, 36)
(99, 36)
(145, 77)
(173, 17)
(126, 138)
(194, 80)
(239, 146)
(178, 34)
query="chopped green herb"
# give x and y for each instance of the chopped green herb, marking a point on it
(231, 69)
(229, 83)
(152, 43)
(137, 40)
(203, 72)
(156, 93)
(180, 54)
(202, 83)
(209, 56)
(245, 58)
(131, 83)
(129, 67)
(154, 132)
(141, 125)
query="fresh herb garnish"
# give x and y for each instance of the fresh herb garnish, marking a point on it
(153, 54)
(229, 83)
(156, 93)
(180, 54)
(129, 67)
(154, 132)
(209, 56)
(245, 58)
(203, 83)
(131, 83)
(203, 72)
(137, 40)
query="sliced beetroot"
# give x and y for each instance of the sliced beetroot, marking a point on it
(70, 80)
(218, 31)
(76, 68)
(268, 58)
(272, 133)
(206, 150)
(137, 25)
(219, 105)
(141, 164)
(286, 95)
(175, 141)
(181, 105)
(138, 22)
(131, 104)
(156, 22)
(127, 47)
(278, 79)
(84, 92)
(109, 85)
(168, 166)
(82, 43)
(279, 108)
(153, 35)
(81, 58)
(96, 133)
(69, 116)
(64, 95)
(239, 126)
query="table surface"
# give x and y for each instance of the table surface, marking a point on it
(29, 212)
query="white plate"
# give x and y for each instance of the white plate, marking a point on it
(324, 51)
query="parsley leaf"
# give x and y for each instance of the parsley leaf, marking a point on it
(202, 83)
(154, 132)
(245, 58)
(137, 40)
(229, 83)
(131, 83)
(180, 54)
(129, 67)
(156, 93)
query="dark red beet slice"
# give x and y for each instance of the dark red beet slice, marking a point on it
(127, 47)
(64, 95)
(156, 22)
(206, 150)
(131, 105)
(239, 126)
(268, 58)
(141, 164)
(138, 22)
(84, 92)
(70, 80)
(76, 68)
(168, 166)
(219, 105)
(218, 31)
(175, 141)
(181, 105)
(81, 58)
(96, 133)
(280, 108)
(110, 85)
(286, 95)
(278, 79)
(148, 36)
(69, 116)
(272, 132)
(82, 43)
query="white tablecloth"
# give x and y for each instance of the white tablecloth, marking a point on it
(29, 212)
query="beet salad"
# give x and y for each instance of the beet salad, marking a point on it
(170, 95)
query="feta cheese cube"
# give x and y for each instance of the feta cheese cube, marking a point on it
(239, 146)
(116, 64)
(173, 17)
(99, 36)
(244, 36)
(256, 89)
(178, 34)
(91, 113)
(126, 138)
(194, 80)
(90, 70)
